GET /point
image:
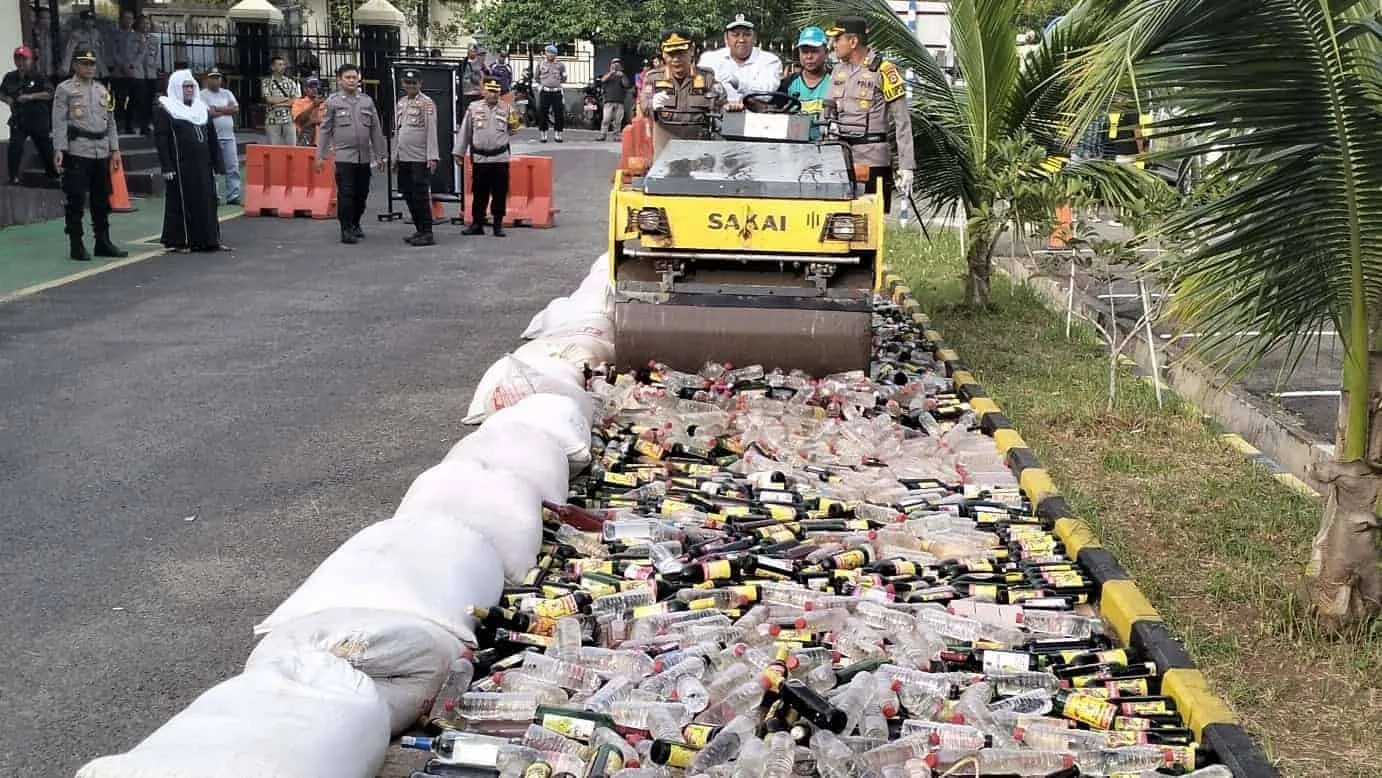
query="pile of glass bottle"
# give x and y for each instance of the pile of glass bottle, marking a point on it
(768, 575)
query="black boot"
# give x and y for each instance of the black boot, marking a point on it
(499, 230)
(348, 235)
(78, 250)
(423, 239)
(104, 248)
(475, 228)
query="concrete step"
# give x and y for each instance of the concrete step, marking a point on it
(24, 205)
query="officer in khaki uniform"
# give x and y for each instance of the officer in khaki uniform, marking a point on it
(415, 154)
(485, 133)
(85, 141)
(866, 102)
(679, 96)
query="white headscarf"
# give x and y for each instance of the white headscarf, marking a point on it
(173, 104)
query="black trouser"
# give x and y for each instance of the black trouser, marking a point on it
(352, 190)
(882, 176)
(413, 183)
(143, 102)
(43, 141)
(554, 102)
(82, 176)
(124, 89)
(489, 182)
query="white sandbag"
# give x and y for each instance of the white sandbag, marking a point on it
(530, 453)
(596, 281)
(406, 657)
(302, 715)
(564, 418)
(495, 503)
(579, 350)
(571, 315)
(511, 379)
(431, 566)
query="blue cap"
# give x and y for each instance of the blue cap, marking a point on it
(550, 49)
(811, 36)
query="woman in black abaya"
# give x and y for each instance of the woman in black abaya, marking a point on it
(191, 159)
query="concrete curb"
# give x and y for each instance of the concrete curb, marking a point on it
(1122, 605)
(1292, 451)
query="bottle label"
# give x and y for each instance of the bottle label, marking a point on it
(780, 512)
(904, 567)
(679, 756)
(850, 559)
(621, 479)
(558, 607)
(1143, 708)
(1089, 710)
(570, 726)
(719, 569)
(1006, 661)
(697, 735)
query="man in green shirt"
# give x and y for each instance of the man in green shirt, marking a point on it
(813, 82)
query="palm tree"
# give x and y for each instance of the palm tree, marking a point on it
(1004, 122)
(1288, 95)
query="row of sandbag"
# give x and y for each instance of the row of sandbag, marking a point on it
(359, 650)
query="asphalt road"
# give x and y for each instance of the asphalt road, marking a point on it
(184, 439)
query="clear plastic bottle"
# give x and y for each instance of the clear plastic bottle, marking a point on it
(618, 688)
(1018, 681)
(455, 747)
(634, 530)
(898, 751)
(664, 682)
(874, 724)
(568, 675)
(1116, 761)
(1058, 623)
(855, 698)
(781, 757)
(566, 635)
(944, 735)
(523, 681)
(614, 662)
(726, 743)
(692, 693)
(1057, 737)
(622, 602)
(918, 680)
(504, 706)
(742, 699)
(449, 697)
(666, 557)
(543, 739)
(604, 736)
(1036, 702)
(635, 713)
(1006, 760)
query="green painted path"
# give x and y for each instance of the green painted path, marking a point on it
(33, 257)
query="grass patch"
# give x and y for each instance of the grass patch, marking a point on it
(1214, 541)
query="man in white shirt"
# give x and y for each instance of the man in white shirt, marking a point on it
(221, 105)
(741, 67)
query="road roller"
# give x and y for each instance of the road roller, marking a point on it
(752, 245)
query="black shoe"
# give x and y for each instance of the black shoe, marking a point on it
(423, 239)
(499, 231)
(474, 229)
(348, 236)
(104, 248)
(78, 250)
(359, 233)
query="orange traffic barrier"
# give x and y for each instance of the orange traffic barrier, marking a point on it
(636, 142)
(284, 181)
(529, 203)
(438, 211)
(119, 191)
(1062, 234)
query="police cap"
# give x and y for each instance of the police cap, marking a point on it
(492, 85)
(676, 40)
(84, 55)
(852, 25)
(411, 74)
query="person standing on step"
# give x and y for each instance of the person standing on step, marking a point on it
(87, 37)
(30, 99)
(551, 74)
(279, 92)
(222, 106)
(415, 154)
(485, 132)
(86, 142)
(190, 158)
(127, 58)
(616, 87)
(146, 76)
(473, 72)
(351, 130)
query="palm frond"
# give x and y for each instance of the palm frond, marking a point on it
(986, 51)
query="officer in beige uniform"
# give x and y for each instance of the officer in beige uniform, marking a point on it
(679, 96)
(415, 154)
(351, 132)
(85, 140)
(485, 133)
(866, 102)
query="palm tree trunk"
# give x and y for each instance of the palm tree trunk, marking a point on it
(979, 262)
(1344, 578)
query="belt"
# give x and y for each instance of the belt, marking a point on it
(494, 153)
(865, 140)
(74, 132)
(551, 89)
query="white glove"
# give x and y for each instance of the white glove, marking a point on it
(903, 182)
(169, 176)
(661, 100)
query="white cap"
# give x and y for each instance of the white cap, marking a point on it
(739, 21)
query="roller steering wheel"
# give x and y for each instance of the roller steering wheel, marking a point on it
(771, 102)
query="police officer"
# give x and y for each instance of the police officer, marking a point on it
(485, 133)
(86, 141)
(415, 154)
(85, 37)
(30, 98)
(866, 101)
(351, 130)
(679, 96)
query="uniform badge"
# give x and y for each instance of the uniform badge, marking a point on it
(864, 104)
(698, 82)
(78, 111)
(893, 87)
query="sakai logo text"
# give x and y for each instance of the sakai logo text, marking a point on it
(748, 223)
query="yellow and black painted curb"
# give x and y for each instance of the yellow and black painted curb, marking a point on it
(1123, 607)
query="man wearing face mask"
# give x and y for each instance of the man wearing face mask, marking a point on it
(741, 67)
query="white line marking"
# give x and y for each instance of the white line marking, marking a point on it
(1308, 393)
(1245, 333)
